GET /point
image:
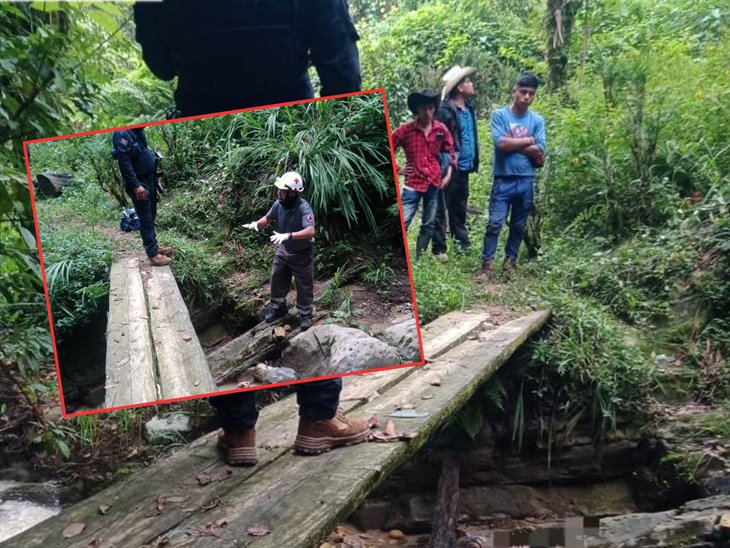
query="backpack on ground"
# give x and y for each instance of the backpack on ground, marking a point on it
(129, 220)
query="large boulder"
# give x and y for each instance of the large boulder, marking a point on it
(332, 350)
(403, 335)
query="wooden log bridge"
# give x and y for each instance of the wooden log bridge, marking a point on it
(192, 498)
(152, 351)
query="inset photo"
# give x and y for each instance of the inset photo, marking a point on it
(225, 253)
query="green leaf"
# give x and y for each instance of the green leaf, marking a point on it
(104, 20)
(46, 7)
(63, 447)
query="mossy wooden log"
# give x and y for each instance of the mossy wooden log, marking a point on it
(298, 498)
(181, 361)
(130, 373)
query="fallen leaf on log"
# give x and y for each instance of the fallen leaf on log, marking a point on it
(380, 436)
(196, 383)
(390, 429)
(436, 381)
(407, 436)
(104, 508)
(94, 542)
(187, 338)
(74, 529)
(407, 414)
(280, 332)
(406, 406)
(372, 422)
(161, 504)
(427, 396)
(203, 478)
(258, 531)
(243, 384)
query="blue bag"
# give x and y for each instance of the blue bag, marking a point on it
(129, 220)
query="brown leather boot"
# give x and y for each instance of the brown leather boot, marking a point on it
(165, 250)
(315, 437)
(239, 449)
(160, 260)
(486, 273)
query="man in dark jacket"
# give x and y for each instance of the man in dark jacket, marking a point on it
(137, 165)
(235, 54)
(457, 113)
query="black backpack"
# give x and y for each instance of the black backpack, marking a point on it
(129, 220)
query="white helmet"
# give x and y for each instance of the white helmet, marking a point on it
(290, 180)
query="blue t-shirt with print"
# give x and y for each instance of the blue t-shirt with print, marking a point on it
(506, 123)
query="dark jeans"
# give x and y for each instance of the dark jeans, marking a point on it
(452, 204)
(513, 195)
(409, 201)
(301, 266)
(147, 212)
(318, 400)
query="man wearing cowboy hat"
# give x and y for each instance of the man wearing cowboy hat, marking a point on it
(518, 135)
(423, 140)
(457, 113)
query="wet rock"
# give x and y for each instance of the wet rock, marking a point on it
(167, 428)
(280, 374)
(690, 525)
(372, 514)
(331, 349)
(521, 501)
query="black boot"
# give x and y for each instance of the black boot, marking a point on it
(273, 314)
(421, 245)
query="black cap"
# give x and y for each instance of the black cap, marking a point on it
(417, 99)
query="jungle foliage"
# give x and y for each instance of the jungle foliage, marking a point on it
(630, 242)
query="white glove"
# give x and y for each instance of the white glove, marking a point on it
(252, 226)
(278, 237)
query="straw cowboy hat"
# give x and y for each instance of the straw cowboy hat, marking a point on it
(422, 97)
(453, 76)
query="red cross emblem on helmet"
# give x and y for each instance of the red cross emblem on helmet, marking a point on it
(290, 180)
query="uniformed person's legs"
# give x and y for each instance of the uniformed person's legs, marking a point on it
(321, 425)
(237, 414)
(280, 284)
(302, 267)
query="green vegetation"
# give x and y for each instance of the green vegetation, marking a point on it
(629, 245)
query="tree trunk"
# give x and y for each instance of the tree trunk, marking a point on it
(559, 23)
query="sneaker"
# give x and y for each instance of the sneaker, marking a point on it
(165, 250)
(160, 260)
(486, 272)
(441, 257)
(273, 314)
(315, 437)
(305, 322)
(239, 449)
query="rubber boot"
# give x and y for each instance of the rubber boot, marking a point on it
(421, 245)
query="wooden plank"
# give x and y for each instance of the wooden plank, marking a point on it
(181, 362)
(135, 517)
(446, 331)
(300, 499)
(130, 375)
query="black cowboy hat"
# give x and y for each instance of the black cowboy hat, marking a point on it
(423, 97)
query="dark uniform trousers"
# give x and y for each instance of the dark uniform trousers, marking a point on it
(146, 210)
(451, 209)
(317, 401)
(299, 264)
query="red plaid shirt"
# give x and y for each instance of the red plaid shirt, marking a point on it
(422, 153)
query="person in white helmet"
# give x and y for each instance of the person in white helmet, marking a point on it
(294, 238)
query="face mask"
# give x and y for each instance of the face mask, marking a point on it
(288, 202)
